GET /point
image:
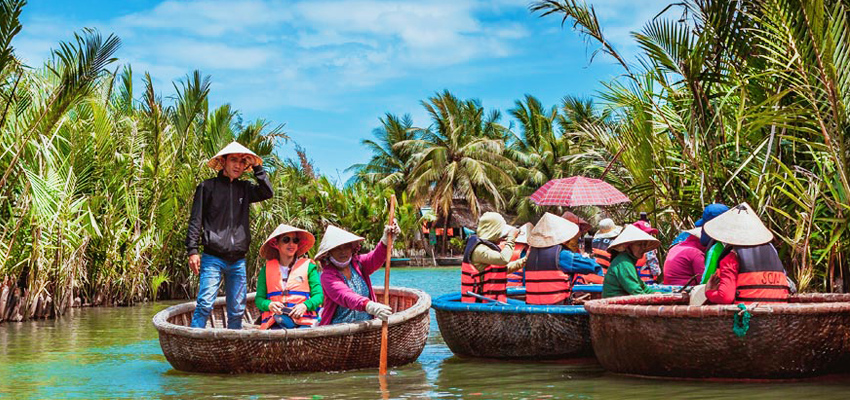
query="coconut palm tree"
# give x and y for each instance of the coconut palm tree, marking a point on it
(460, 157)
(389, 164)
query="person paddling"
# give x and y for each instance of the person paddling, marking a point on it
(346, 284)
(219, 221)
(289, 292)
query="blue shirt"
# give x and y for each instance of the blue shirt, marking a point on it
(572, 263)
(358, 285)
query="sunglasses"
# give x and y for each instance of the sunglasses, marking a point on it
(287, 239)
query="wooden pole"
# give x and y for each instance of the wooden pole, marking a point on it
(382, 370)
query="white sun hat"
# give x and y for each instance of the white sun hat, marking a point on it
(740, 226)
(217, 162)
(551, 230)
(269, 251)
(524, 231)
(335, 237)
(634, 235)
(607, 229)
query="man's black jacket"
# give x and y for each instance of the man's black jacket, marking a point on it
(220, 211)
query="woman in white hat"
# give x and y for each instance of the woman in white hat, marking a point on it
(551, 264)
(622, 278)
(750, 269)
(289, 292)
(349, 296)
(220, 221)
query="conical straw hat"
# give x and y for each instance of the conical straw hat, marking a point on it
(551, 230)
(632, 234)
(335, 237)
(524, 231)
(740, 226)
(217, 162)
(270, 251)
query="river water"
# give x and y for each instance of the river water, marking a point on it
(115, 353)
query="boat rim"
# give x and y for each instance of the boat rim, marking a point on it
(633, 306)
(451, 302)
(160, 322)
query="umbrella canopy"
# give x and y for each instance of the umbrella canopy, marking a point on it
(577, 191)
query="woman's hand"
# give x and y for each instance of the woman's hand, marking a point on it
(298, 311)
(713, 282)
(276, 307)
(391, 229)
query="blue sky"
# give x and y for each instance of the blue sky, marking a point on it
(330, 69)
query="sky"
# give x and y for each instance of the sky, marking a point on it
(330, 69)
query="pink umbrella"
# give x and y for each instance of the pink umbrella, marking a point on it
(577, 191)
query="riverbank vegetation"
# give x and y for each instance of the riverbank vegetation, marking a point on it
(726, 101)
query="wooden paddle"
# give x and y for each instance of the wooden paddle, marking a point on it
(382, 370)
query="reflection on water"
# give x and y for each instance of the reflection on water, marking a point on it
(114, 352)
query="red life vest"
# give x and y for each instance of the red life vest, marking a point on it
(295, 291)
(643, 271)
(761, 276)
(492, 282)
(545, 283)
(515, 279)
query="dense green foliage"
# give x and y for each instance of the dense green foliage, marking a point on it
(727, 101)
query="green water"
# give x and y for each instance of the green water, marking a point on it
(114, 353)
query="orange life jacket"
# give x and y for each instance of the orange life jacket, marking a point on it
(295, 291)
(492, 282)
(545, 283)
(515, 279)
(761, 276)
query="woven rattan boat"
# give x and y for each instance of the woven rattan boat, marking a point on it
(513, 331)
(325, 348)
(660, 335)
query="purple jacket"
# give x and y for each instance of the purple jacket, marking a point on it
(337, 293)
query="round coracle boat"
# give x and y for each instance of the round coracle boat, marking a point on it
(325, 348)
(661, 335)
(513, 331)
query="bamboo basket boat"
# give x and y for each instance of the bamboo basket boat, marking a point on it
(325, 348)
(513, 331)
(660, 335)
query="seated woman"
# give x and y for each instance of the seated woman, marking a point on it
(552, 262)
(345, 279)
(750, 269)
(486, 265)
(288, 289)
(622, 278)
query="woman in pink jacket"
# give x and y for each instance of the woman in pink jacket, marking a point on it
(349, 296)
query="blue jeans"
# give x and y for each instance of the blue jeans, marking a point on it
(235, 290)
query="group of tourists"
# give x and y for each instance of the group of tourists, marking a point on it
(293, 291)
(548, 259)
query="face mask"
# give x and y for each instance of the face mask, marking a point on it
(339, 264)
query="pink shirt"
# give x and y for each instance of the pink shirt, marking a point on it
(336, 291)
(684, 260)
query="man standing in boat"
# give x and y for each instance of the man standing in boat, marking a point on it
(219, 221)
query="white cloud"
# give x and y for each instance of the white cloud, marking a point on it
(210, 18)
